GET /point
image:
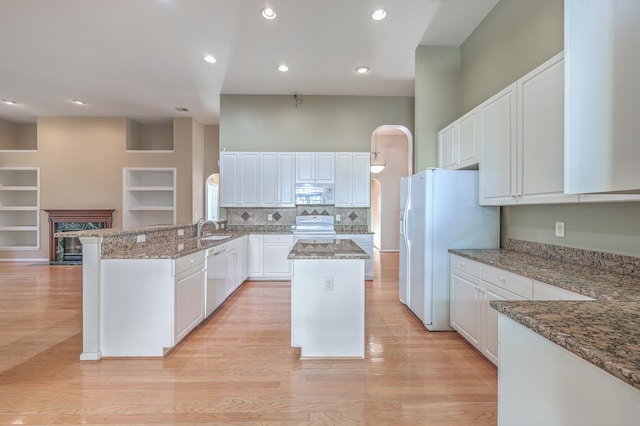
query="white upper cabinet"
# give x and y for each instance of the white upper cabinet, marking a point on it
(239, 173)
(522, 131)
(286, 179)
(459, 142)
(447, 145)
(277, 171)
(352, 179)
(315, 167)
(602, 92)
(540, 140)
(498, 153)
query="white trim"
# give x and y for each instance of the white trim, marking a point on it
(26, 260)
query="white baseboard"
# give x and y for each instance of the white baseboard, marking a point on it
(26, 260)
(387, 251)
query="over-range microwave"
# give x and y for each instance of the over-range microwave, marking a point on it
(314, 193)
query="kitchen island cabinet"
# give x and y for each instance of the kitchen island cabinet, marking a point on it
(327, 299)
(149, 305)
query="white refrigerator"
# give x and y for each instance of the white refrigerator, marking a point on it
(438, 211)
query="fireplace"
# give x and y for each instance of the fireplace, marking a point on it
(69, 250)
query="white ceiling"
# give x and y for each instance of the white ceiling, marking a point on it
(143, 58)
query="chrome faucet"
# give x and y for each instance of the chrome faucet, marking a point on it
(201, 222)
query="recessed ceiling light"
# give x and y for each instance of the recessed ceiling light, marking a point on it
(362, 70)
(268, 13)
(378, 14)
(8, 102)
(283, 68)
(182, 109)
(78, 102)
(209, 58)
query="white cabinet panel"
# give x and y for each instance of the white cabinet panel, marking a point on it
(277, 185)
(286, 179)
(255, 256)
(468, 135)
(544, 291)
(447, 147)
(239, 179)
(465, 306)
(459, 142)
(602, 68)
(189, 301)
(276, 250)
(498, 155)
(353, 179)
(541, 134)
(268, 179)
(315, 167)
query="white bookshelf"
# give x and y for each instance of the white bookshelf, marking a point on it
(19, 208)
(149, 197)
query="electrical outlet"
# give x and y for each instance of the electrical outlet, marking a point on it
(140, 238)
(337, 218)
(328, 283)
(180, 247)
(559, 229)
(269, 217)
(180, 232)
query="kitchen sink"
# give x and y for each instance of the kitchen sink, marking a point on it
(215, 237)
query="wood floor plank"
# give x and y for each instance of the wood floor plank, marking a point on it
(235, 368)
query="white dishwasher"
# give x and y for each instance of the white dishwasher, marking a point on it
(216, 277)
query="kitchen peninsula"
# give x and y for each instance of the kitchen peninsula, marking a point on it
(327, 298)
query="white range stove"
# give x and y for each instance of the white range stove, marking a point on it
(314, 227)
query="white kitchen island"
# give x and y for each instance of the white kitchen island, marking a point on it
(327, 298)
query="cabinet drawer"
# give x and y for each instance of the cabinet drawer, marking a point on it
(190, 261)
(544, 291)
(278, 239)
(514, 283)
(471, 267)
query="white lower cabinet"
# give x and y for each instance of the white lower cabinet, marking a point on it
(365, 242)
(189, 298)
(276, 250)
(474, 285)
(236, 264)
(255, 261)
(163, 297)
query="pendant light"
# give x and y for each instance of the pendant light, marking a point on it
(376, 165)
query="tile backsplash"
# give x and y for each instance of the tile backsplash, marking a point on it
(287, 216)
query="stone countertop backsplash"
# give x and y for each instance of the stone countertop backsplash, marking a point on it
(604, 332)
(335, 249)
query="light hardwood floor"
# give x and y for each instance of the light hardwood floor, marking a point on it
(236, 368)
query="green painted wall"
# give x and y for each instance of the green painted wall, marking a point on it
(514, 38)
(437, 100)
(318, 123)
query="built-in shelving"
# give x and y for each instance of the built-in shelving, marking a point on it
(149, 197)
(19, 208)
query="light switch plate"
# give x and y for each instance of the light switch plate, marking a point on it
(140, 238)
(559, 229)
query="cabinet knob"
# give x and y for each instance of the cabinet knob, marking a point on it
(502, 279)
(463, 264)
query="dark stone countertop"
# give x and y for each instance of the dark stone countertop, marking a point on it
(604, 332)
(331, 249)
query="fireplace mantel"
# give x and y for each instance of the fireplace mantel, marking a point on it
(76, 215)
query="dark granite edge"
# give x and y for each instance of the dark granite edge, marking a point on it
(566, 341)
(540, 276)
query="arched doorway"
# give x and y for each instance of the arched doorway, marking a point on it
(394, 145)
(213, 197)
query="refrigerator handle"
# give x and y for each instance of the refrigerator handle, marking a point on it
(407, 224)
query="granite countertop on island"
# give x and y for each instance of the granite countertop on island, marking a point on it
(604, 332)
(329, 249)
